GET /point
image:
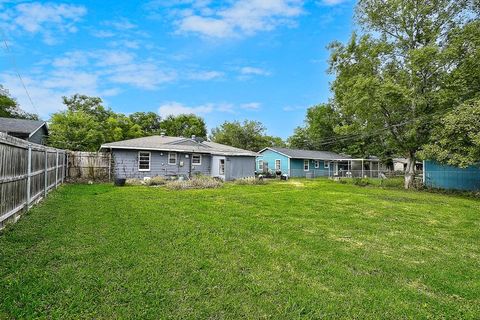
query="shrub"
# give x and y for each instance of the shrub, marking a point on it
(363, 182)
(198, 182)
(156, 181)
(249, 181)
(134, 182)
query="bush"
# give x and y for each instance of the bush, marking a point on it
(156, 181)
(134, 182)
(198, 182)
(249, 181)
(363, 182)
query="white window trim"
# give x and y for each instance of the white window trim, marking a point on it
(176, 158)
(260, 165)
(149, 160)
(280, 166)
(220, 166)
(326, 164)
(197, 164)
(317, 164)
(308, 165)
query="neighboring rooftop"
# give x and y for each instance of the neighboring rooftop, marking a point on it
(10, 125)
(178, 144)
(308, 154)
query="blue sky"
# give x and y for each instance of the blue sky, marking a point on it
(262, 60)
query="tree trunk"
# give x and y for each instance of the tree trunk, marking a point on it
(410, 171)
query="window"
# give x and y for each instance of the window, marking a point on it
(221, 167)
(260, 165)
(306, 165)
(143, 161)
(172, 158)
(196, 159)
(278, 165)
(326, 164)
(317, 164)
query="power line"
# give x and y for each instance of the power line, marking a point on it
(332, 140)
(14, 64)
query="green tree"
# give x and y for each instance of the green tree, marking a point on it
(149, 122)
(87, 124)
(9, 107)
(75, 130)
(249, 135)
(389, 81)
(457, 141)
(184, 125)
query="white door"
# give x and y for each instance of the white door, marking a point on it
(218, 167)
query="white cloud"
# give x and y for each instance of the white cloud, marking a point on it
(176, 108)
(332, 2)
(248, 71)
(51, 20)
(251, 106)
(205, 75)
(240, 18)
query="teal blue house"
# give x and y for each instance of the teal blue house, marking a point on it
(441, 176)
(300, 163)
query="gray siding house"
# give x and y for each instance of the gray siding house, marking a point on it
(176, 156)
(30, 130)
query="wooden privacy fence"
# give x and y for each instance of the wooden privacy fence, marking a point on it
(27, 173)
(95, 166)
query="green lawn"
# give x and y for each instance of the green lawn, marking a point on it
(297, 249)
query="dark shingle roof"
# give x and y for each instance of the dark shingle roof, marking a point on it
(309, 154)
(178, 144)
(20, 125)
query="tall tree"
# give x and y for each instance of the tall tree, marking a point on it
(389, 80)
(457, 141)
(149, 122)
(249, 135)
(86, 124)
(184, 125)
(9, 107)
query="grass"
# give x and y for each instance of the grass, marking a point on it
(300, 249)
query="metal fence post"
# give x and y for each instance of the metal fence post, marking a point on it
(45, 191)
(29, 172)
(56, 171)
(63, 167)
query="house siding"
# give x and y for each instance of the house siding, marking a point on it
(239, 167)
(126, 164)
(40, 136)
(269, 157)
(449, 177)
(297, 170)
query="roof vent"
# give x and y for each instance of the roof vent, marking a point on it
(193, 137)
(162, 134)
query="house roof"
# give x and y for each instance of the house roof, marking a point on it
(178, 144)
(21, 126)
(308, 154)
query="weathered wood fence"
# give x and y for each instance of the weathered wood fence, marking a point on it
(27, 173)
(96, 166)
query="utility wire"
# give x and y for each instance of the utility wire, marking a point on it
(332, 140)
(14, 64)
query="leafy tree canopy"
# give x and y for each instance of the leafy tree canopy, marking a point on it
(184, 125)
(249, 135)
(9, 107)
(457, 141)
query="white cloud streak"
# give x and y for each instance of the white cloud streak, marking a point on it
(50, 20)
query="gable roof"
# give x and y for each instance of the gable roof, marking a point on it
(21, 125)
(178, 144)
(307, 154)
